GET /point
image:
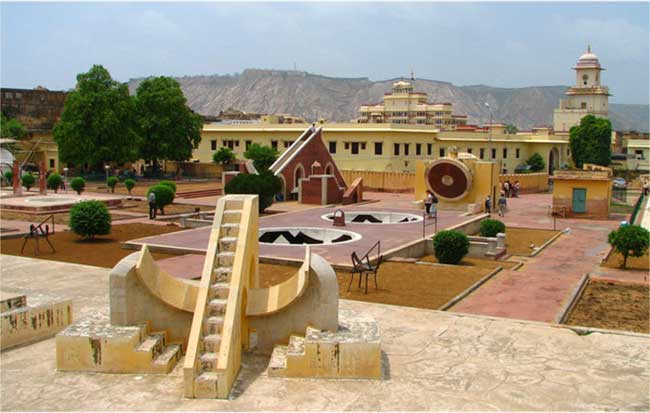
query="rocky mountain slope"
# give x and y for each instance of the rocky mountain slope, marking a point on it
(338, 99)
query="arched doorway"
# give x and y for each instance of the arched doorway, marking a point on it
(298, 174)
(283, 188)
(329, 170)
(553, 160)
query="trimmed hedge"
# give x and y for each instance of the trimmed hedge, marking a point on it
(129, 184)
(78, 184)
(90, 218)
(111, 182)
(170, 184)
(28, 180)
(491, 227)
(450, 246)
(265, 185)
(54, 181)
(164, 195)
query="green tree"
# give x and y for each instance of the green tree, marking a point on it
(536, 162)
(511, 129)
(11, 128)
(223, 156)
(266, 185)
(491, 227)
(629, 241)
(111, 182)
(129, 184)
(262, 156)
(97, 122)
(28, 180)
(78, 184)
(590, 142)
(164, 196)
(450, 246)
(90, 218)
(54, 182)
(169, 128)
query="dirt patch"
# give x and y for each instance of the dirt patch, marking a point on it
(141, 187)
(407, 284)
(615, 260)
(613, 306)
(173, 209)
(104, 251)
(519, 240)
(476, 262)
(62, 218)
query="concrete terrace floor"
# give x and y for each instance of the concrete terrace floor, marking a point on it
(433, 361)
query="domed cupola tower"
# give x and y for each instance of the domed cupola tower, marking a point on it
(586, 97)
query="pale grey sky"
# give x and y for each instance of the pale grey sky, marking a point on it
(497, 44)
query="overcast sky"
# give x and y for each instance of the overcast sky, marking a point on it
(496, 44)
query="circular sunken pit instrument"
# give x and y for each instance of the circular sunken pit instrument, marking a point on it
(449, 179)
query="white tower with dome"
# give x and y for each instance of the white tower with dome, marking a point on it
(587, 97)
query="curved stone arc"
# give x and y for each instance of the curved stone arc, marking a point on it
(267, 301)
(170, 290)
(455, 167)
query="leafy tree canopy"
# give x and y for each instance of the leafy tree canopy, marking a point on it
(511, 129)
(223, 156)
(169, 128)
(630, 241)
(262, 156)
(12, 128)
(97, 122)
(590, 142)
(536, 162)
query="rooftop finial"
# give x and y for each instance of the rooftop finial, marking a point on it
(412, 75)
(588, 48)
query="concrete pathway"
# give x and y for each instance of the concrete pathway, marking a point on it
(540, 289)
(434, 361)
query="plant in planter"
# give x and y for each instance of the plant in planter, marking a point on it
(491, 227)
(450, 246)
(90, 218)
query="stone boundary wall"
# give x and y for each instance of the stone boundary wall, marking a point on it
(530, 183)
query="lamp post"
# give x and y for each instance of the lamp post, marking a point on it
(106, 168)
(491, 150)
(65, 179)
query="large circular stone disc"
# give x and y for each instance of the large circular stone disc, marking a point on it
(448, 179)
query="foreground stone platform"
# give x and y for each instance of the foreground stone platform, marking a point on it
(432, 361)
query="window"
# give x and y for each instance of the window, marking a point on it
(469, 150)
(355, 148)
(347, 145)
(482, 155)
(396, 149)
(441, 152)
(379, 148)
(406, 149)
(51, 163)
(418, 149)
(583, 105)
(237, 143)
(286, 144)
(494, 153)
(568, 152)
(363, 146)
(229, 143)
(429, 149)
(213, 144)
(332, 146)
(274, 144)
(517, 153)
(248, 143)
(505, 153)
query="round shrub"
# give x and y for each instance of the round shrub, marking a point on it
(28, 180)
(9, 176)
(491, 227)
(265, 185)
(450, 246)
(54, 182)
(78, 184)
(90, 218)
(164, 195)
(170, 184)
(129, 184)
(111, 182)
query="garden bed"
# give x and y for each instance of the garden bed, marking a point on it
(173, 209)
(615, 260)
(103, 251)
(61, 218)
(475, 262)
(519, 240)
(141, 187)
(613, 306)
(406, 284)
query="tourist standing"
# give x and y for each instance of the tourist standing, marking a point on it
(506, 188)
(503, 203)
(517, 187)
(488, 204)
(428, 202)
(152, 205)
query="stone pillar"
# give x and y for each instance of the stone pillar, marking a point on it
(18, 189)
(41, 178)
(501, 241)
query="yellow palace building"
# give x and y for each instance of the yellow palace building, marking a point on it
(393, 147)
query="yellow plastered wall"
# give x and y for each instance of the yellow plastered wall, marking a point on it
(598, 193)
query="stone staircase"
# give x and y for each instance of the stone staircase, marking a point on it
(93, 345)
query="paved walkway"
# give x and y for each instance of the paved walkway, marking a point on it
(432, 361)
(539, 290)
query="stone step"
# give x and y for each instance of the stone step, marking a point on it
(153, 344)
(213, 325)
(229, 230)
(278, 362)
(211, 343)
(217, 306)
(222, 273)
(170, 355)
(209, 361)
(296, 346)
(205, 385)
(227, 244)
(231, 217)
(219, 290)
(225, 259)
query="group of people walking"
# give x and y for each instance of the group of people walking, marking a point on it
(510, 190)
(502, 204)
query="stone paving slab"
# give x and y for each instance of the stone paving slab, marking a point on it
(433, 361)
